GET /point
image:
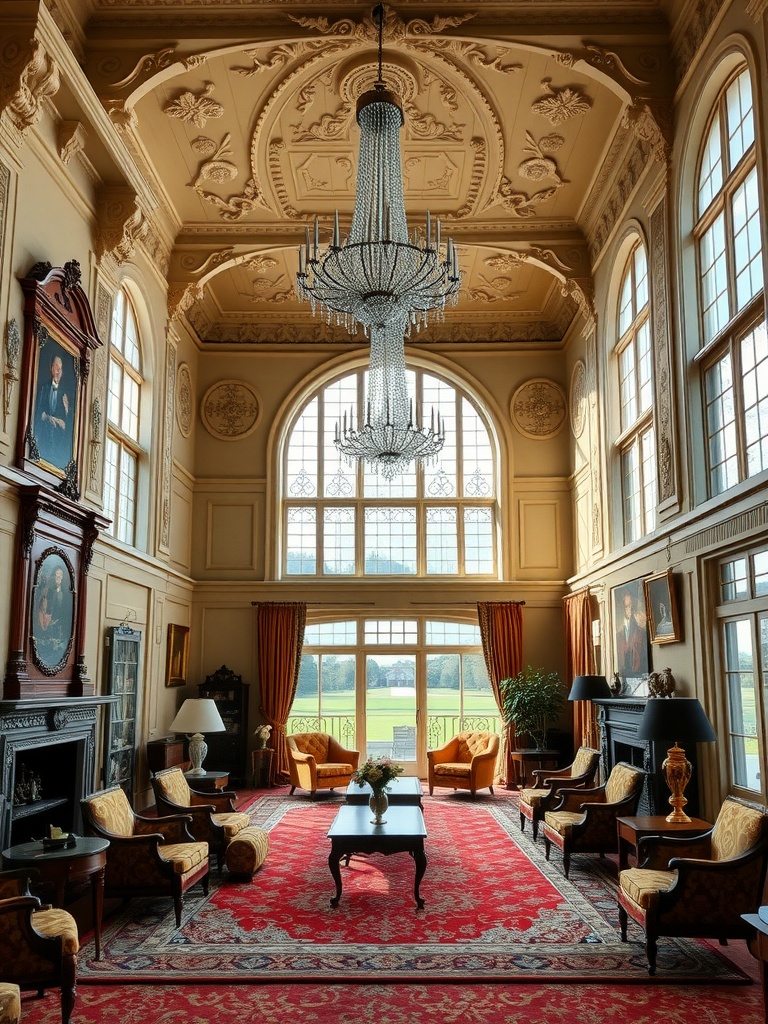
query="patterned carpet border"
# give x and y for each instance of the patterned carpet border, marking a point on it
(141, 943)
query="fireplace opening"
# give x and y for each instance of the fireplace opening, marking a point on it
(47, 784)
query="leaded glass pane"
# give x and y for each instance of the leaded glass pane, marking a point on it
(733, 580)
(130, 417)
(301, 541)
(331, 634)
(126, 512)
(740, 119)
(648, 455)
(112, 455)
(391, 631)
(477, 454)
(754, 380)
(404, 484)
(339, 541)
(760, 563)
(478, 540)
(442, 541)
(440, 480)
(626, 304)
(747, 241)
(644, 366)
(630, 474)
(390, 541)
(711, 172)
(721, 426)
(118, 322)
(714, 279)
(115, 393)
(641, 279)
(130, 347)
(742, 703)
(301, 460)
(339, 400)
(627, 387)
(451, 634)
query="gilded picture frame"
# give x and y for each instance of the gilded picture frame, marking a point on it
(177, 655)
(661, 608)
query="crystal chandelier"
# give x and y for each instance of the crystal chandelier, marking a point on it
(387, 283)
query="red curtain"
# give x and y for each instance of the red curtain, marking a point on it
(580, 661)
(501, 631)
(280, 635)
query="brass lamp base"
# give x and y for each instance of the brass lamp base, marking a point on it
(677, 771)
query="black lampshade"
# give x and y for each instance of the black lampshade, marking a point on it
(589, 688)
(674, 719)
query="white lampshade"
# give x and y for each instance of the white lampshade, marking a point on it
(198, 715)
(195, 717)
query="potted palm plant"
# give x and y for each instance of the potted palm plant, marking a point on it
(531, 701)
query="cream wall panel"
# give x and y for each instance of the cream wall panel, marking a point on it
(181, 525)
(231, 540)
(127, 601)
(228, 639)
(539, 534)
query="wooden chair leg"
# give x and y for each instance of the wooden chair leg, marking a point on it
(623, 918)
(68, 987)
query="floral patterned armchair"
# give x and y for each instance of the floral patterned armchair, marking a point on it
(535, 802)
(318, 761)
(467, 761)
(214, 818)
(146, 856)
(39, 944)
(698, 886)
(584, 820)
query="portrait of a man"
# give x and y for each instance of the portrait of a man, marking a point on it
(631, 630)
(54, 413)
(52, 618)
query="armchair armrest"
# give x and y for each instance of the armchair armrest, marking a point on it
(445, 753)
(485, 755)
(219, 802)
(172, 828)
(301, 758)
(655, 852)
(573, 799)
(542, 777)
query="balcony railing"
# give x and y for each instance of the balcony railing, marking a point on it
(440, 728)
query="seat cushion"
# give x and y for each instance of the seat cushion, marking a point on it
(562, 822)
(247, 851)
(533, 797)
(642, 884)
(184, 856)
(232, 822)
(54, 923)
(331, 770)
(10, 1003)
(452, 770)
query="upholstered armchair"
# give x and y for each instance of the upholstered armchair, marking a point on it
(318, 761)
(535, 802)
(39, 945)
(467, 761)
(698, 887)
(214, 818)
(584, 820)
(146, 856)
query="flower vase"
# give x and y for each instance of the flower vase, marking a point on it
(379, 802)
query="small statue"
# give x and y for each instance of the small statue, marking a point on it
(615, 685)
(661, 684)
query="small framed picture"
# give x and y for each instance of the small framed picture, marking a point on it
(630, 633)
(176, 655)
(661, 608)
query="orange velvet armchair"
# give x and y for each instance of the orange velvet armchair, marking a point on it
(467, 761)
(317, 760)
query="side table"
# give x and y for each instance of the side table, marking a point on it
(261, 767)
(630, 831)
(535, 758)
(209, 782)
(758, 947)
(88, 858)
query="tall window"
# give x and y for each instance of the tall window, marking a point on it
(434, 520)
(122, 441)
(637, 446)
(743, 613)
(734, 357)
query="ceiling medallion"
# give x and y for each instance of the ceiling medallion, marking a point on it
(230, 410)
(538, 408)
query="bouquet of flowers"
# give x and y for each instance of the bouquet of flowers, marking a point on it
(262, 735)
(378, 772)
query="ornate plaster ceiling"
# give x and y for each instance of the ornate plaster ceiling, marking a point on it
(518, 121)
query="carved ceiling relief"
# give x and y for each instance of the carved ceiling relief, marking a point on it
(30, 76)
(121, 224)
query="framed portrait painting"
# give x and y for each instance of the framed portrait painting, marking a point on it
(661, 608)
(630, 626)
(177, 655)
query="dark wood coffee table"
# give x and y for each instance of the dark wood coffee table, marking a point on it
(353, 832)
(405, 789)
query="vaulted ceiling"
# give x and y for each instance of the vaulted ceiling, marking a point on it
(520, 121)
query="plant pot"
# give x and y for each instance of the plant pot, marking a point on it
(379, 802)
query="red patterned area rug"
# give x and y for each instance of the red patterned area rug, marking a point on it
(495, 911)
(403, 1004)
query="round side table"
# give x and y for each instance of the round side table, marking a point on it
(261, 767)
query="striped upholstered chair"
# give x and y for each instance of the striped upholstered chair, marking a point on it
(698, 887)
(39, 946)
(584, 820)
(146, 856)
(214, 818)
(542, 797)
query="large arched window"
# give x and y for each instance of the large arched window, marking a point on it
(636, 444)
(123, 401)
(434, 520)
(734, 353)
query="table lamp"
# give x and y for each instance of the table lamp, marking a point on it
(671, 719)
(590, 688)
(195, 717)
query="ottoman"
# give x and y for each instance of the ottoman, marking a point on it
(247, 851)
(10, 1003)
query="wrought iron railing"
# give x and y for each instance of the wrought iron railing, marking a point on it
(440, 728)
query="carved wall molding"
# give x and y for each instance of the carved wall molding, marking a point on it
(230, 410)
(167, 463)
(193, 108)
(664, 417)
(538, 408)
(578, 398)
(182, 297)
(619, 196)
(11, 366)
(559, 105)
(595, 454)
(184, 400)
(649, 125)
(757, 8)
(71, 138)
(28, 77)
(693, 27)
(122, 223)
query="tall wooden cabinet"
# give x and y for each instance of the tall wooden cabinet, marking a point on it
(227, 751)
(123, 653)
